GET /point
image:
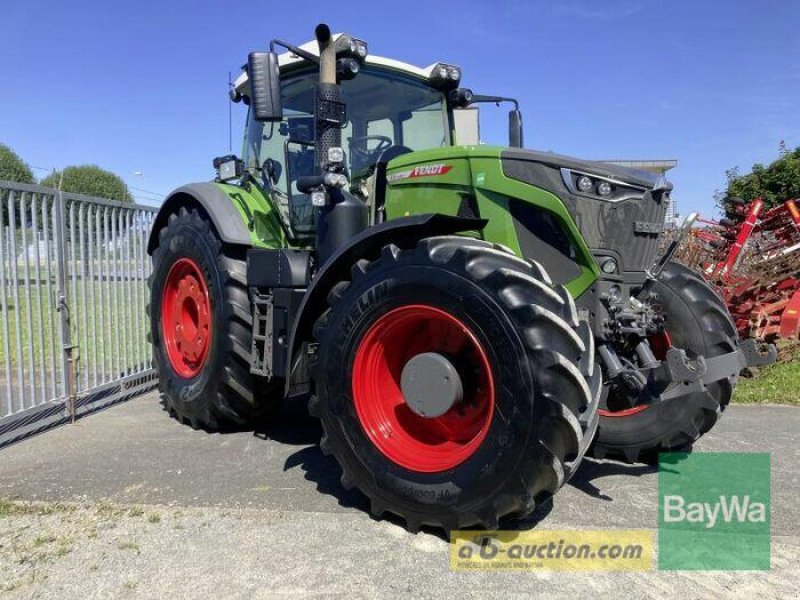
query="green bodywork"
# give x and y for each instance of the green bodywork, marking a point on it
(258, 213)
(418, 184)
(477, 170)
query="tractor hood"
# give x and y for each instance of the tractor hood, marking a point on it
(620, 211)
(622, 219)
(626, 175)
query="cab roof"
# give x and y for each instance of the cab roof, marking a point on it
(287, 59)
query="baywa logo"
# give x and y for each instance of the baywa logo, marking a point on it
(714, 511)
(728, 508)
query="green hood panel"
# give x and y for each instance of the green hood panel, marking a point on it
(450, 180)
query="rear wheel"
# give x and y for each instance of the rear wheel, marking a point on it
(201, 329)
(697, 322)
(453, 383)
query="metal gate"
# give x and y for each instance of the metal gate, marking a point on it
(73, 291)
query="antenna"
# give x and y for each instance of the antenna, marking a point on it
(230, 115)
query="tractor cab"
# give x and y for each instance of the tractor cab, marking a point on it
(392, 108)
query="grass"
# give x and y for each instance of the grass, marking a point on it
(777, 384)
(116, 306)
(128, 545)
(109, 333)
(6, 507)
(41, 540)
(10, 507)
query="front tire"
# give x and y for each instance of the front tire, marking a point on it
(201, 328)
(528, 410)
(698, 322)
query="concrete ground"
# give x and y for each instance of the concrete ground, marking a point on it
(128, 503)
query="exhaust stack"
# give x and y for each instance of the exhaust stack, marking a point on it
(329, 94)
(343, 215)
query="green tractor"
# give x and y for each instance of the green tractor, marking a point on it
(466, 321)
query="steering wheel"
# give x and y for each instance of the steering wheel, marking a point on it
(359, 147)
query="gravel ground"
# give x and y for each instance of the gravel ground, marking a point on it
(127, 503)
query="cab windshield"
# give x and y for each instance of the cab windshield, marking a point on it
(384, 109)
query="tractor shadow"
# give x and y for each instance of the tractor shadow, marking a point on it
(294, 426)
(591, 470)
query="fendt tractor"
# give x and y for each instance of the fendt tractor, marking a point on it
(466, 321)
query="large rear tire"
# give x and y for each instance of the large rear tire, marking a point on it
(698, 322)
(201, 328)
(528, 411)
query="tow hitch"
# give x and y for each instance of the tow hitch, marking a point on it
(678, 375)
(686, 376)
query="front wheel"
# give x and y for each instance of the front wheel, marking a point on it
(698, 322)
(201, 328)
(453, 383)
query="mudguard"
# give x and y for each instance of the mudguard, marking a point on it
(403, 231)
(218, 206)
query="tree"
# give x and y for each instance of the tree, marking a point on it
(775, 183)
(90, 180)
(13, 168)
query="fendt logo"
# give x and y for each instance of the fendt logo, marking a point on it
(729, 508)
(421, 171)
(428, 170)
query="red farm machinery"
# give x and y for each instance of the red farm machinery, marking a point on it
(753, 256)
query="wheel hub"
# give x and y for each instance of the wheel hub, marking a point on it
(416, 408)
(186, 318)
(431, 385)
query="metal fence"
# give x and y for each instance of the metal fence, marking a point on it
(73, 290)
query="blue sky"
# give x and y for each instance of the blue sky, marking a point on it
(141, 86)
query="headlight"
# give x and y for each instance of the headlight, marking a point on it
(445, 77)
(350, 47)
(604, 188)
(347, 68)
(609, 266)
(601, 187)
(459, 97)
(319, 198)
(335, 155)
(584, 183)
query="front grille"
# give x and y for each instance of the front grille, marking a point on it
(630, 228)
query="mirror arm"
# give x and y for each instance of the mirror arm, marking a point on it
(294, 50)
(478, 98)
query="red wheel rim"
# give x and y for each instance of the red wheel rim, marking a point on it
(622, 413)
(186, 318)
(427, 445)
(659, 344)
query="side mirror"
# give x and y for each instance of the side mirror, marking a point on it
(515, 128)
(265, 86)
